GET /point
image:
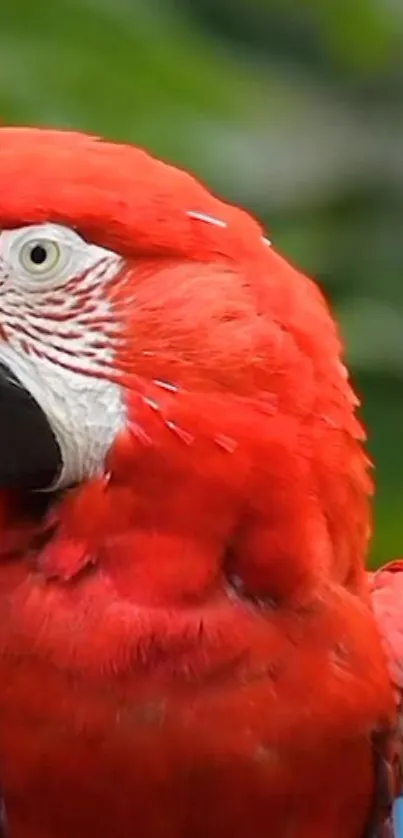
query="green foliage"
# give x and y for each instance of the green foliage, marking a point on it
(290, 108)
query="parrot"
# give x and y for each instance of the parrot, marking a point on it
(191, 644)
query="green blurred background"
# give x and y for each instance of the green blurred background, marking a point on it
(293, 109)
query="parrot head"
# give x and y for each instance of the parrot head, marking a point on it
(159, 355)
(96, 251)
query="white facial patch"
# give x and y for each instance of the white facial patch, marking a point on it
(59, 338)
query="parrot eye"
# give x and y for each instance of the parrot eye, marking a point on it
(46, 253)
(44, 256)
(40, 257)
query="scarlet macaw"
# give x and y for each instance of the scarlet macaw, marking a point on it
(187, 642)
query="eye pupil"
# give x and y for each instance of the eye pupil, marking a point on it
(38, 254)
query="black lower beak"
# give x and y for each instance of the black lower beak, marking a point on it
(30, 457)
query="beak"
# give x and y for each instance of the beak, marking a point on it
(30, 457)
